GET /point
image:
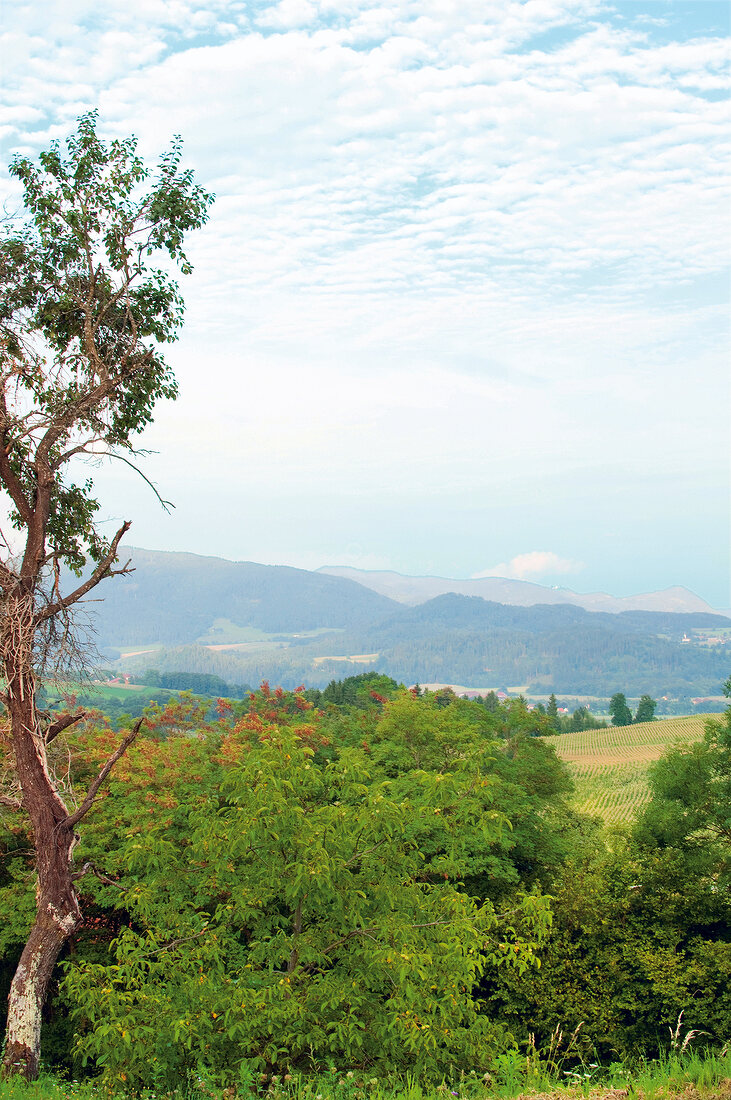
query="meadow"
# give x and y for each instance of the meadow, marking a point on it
(610, 766)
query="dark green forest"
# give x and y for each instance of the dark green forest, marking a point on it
(467, 640)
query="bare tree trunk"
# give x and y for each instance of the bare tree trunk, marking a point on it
(57, 912)
(29, 989)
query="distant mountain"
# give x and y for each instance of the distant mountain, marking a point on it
(416, 590)
(246, 622)
(174, 598)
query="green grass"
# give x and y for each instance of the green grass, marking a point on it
(98, 694)
(687, 1076)
(227, 632)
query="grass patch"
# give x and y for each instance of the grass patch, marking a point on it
(687, 1076)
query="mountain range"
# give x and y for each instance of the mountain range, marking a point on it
(245, 622)
(416, 590)
(175, 598)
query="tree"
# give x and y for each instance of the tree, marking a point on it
(578, 718)
(552, 712)
(645, 709)
(82, 316)
(491, 702)
(291, 913)
(620, 712)
(690, 808)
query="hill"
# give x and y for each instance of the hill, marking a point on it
(245, 622)
(175, 598)
(561, 648)
(416, 590)
(609, 767)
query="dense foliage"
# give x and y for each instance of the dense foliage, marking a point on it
(279, 886)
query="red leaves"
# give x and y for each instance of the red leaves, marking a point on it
(223, 708)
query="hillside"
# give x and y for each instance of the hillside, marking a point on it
(246, 622)
(609, 767)
(174, 598)
(468, 640)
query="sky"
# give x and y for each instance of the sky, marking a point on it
(462, 305)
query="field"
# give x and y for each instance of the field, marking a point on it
(610, 766)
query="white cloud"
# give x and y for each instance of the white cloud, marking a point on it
(534, 563)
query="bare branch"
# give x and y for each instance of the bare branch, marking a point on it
(62, 724)
(10, 803)
(73, 819)
(8, 579)
(349, 936)
(79, 449)
(102, 571)
(166, 504)
(358, 856)
(176, 943)
(90, 868)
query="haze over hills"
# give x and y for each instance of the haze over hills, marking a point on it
(560, 647)
(173, 598)
(245, 622)
(416, 590)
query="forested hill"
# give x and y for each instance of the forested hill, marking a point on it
(267, 616)
(453, 611)
(468, 640)
(173, 598)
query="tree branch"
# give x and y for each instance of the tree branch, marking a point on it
(102, 571)
(75, 818)
(176, 943)
(62, 724)
(358, 856)
(8, 579)
(9, 479)
(10, 803)
(90, 868)
(165, 504)
(349, 936)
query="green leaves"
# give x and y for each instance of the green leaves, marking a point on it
(303, 912)
(84, 310)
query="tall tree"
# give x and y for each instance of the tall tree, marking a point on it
(82, 316)
(620, 712)
(645, 709)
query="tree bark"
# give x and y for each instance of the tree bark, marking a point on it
(57, 912)
(29, 989)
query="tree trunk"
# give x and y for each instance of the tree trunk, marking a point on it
(57, 908)
(29, 989)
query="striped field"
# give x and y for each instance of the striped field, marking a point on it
(609, 767)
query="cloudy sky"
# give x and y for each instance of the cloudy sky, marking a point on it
(462, 304)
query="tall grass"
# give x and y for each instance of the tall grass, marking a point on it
(679, 1075)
